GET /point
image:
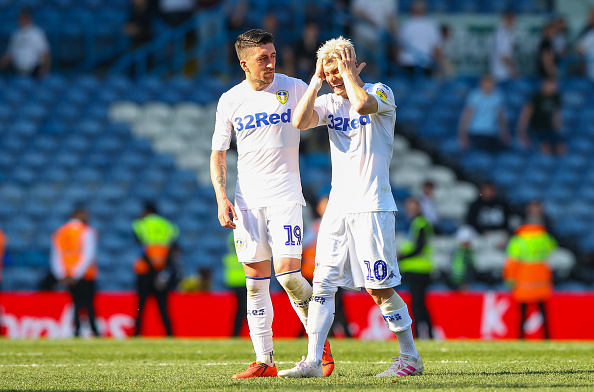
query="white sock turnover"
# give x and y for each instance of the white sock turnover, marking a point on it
(260, 315)
(299, 291)
(398, 319)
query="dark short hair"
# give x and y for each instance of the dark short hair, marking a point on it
(150, 207)
(78, 212)
(25, 12)
(251, 39)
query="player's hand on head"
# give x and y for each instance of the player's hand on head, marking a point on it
(320, 69)
(346, 61)
(341, 61)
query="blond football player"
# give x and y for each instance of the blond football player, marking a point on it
(357, 241)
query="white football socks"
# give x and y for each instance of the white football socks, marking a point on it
(398, 320)
(321, 315)
(260, 315)
(299, 291)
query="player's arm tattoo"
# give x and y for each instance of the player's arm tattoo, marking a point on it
(221, 175)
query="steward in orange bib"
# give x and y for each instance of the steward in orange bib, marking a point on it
(155, 268)
(526, 269)
(74, 263)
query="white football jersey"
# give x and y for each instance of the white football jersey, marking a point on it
(361, 150)
(267, 142)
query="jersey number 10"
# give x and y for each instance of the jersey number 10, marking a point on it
(380, 270)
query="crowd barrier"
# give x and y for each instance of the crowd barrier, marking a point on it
(455, 315)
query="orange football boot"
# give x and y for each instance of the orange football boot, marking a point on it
(258, 369)
(327, 360)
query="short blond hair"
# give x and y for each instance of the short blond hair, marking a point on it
(328, 52)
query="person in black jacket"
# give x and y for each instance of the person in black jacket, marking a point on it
(488, 212)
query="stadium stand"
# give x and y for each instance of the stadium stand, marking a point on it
(113, 141)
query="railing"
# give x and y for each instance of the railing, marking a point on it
(175, 49)
(167, 54)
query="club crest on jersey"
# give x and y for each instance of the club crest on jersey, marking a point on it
(238, 245)
(282, 96)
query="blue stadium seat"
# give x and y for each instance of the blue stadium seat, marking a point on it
(580, 209)
(55, 175)
(543, 162)
(32, 111)
(184, 179)
(144, 192)
(317, 160)
(535, 178)
(66, 113)
(110, 193)
(43, 194)
(45, 143)
(113, 242)
(13, 97)
(24, 128)
(122, 177)
(11, 193)
(522, 194)
(23, 176)
(565, 179)
(130, 208)
(581, 144)
(99, 210)
(88, 177)
(66, 159)
(573, 163)
(96, 112)
(509, 161)
(55, 126)
(76, 193)
(5, 113)
(477, 161)
(586, 243)
(197, 210)
(586, 192)
(506, 178)
(568, 228)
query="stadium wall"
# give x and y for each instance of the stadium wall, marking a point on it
(456, 315)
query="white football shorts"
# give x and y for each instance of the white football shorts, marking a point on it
(357, 250)
(269, 231)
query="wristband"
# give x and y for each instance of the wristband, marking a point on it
(316, 83)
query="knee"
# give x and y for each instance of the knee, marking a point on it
(292, 281)
(324, 290)
(381, 295)
(257, 286)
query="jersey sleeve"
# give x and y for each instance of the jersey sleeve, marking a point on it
(300, 88)
(320, 108)
(221, 138)
(384, 97)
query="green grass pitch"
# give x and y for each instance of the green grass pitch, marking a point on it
(207, 365)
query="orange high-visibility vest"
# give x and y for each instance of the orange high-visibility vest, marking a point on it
(68, 240)
(157, 255)
(156, 235)
(526, 267)
(3, 242)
